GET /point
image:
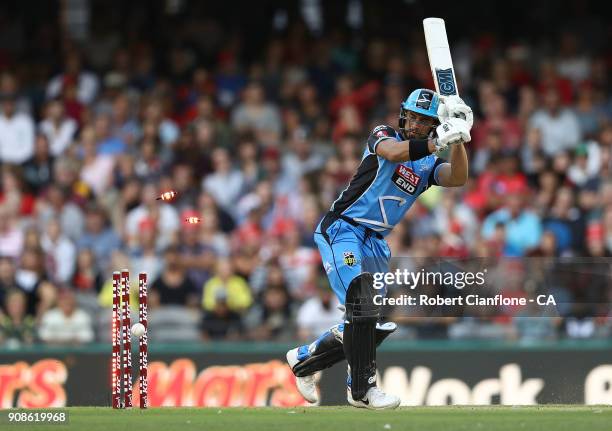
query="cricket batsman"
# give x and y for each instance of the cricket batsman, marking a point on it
(396, 167)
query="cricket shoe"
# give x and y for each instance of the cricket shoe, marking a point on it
(375, 399)
(307, 385)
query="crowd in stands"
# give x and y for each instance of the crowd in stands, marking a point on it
(258, 150)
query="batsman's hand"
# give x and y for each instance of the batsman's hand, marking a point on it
(454, 107)
(453, 131)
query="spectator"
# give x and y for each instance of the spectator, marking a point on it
(145, 255)
(11, 236)
(558, 126)
(164, 216)
(7, 278)
(57, 127)
(173, 287)
(303, 159)
(13, 194)
(10, 85)
(257, 115)
(16, 327)
(125, 126)
(297, 261)
(61, 252)
(197, 257)
(272, 318)
(163, 127)
(16, 131)
(86, 84)
(97, 168)
(522, 227)
(98, 236)
(221, 322)
(587, 163)
(236, 290)
(87, 276)
(225, 183)
(30, 276)
(66, 324)
(496, 120)
(38, 170)
(319, 313)
(106, 143)
(54, 203)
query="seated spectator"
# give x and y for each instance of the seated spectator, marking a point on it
(221, 322)
(97, 167)
(55, 203)
(86, 83)
(589, 112)
(106, 143)
(523, 227)
(11, 237)
(586, 165)
(30, 276)
(319, 313)
(98, 236)
(254, 113)
(304, 158)
(66, 324)
(13, 193)
(173, 287)
(164, 128)
(144, 255)
(559, 126)
(16, 326)
(237, 291)
(87, 277)
(564, 222)
(38, 170)
(225, 183)
(125, 125)
(271, 317)
(7, 278)
(60, 251)
(497, 121)
(58, 128)
(197, 258)
(16, 131)
(165, 216)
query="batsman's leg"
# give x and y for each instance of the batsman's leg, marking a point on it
(327, 350)
(360, 334)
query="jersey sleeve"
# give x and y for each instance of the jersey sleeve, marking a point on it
(433, 173)
(379, 134)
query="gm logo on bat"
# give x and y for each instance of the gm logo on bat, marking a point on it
(446, 81)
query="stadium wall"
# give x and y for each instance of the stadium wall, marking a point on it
(243, 374)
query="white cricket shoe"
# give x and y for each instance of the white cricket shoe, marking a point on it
(375, 399)
(306, 385)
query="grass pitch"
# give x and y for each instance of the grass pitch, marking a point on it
(555, 418)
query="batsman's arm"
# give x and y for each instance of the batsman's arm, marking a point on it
(455, 173)
(403, 151)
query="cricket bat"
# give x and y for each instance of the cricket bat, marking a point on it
(440, 60)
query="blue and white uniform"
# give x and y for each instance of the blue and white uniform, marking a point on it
(351, 236)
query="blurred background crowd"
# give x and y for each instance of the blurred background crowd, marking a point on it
(257, 113)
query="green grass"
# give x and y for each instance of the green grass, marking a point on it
(555, 418)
